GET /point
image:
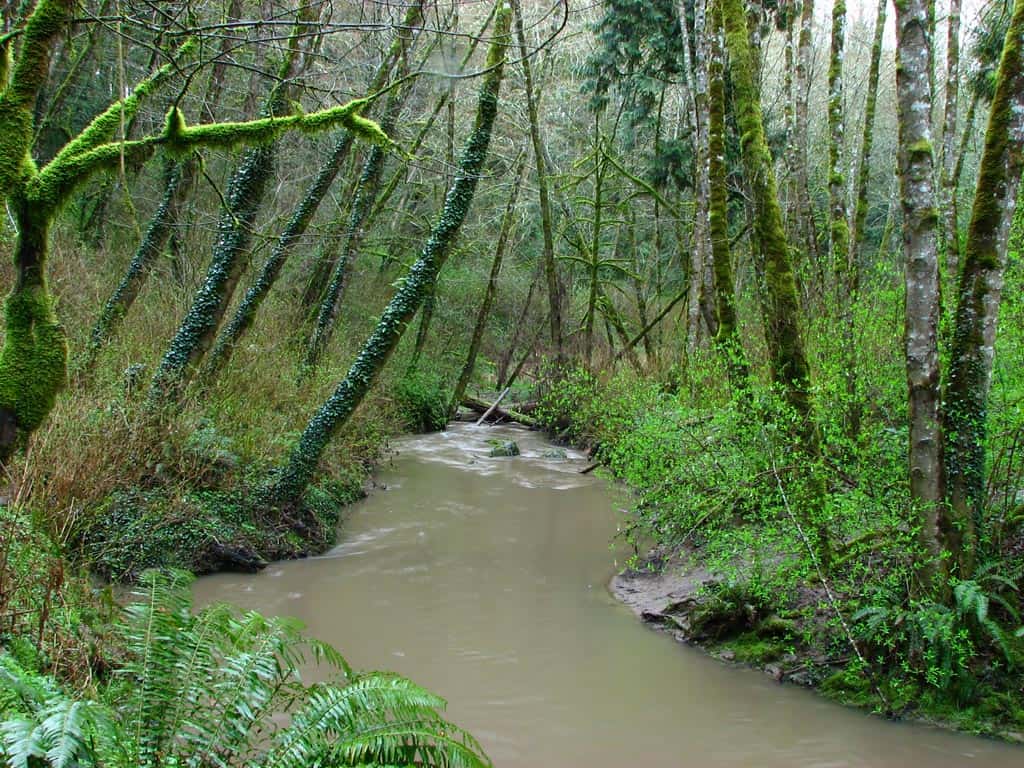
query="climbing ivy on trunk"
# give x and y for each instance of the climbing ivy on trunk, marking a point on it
(302, 463)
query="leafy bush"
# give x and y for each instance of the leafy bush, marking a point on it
(210, 689)
(422, 399)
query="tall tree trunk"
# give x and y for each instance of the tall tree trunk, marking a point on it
(804, 53)
(727, 338)
(787, 355)
(546, 222)
(492, 287)
(335, 412)
(915, 163)
(505, 360)
(839, 231)
(699, 256)
(981, 284)
(860, 211)
(947, 158)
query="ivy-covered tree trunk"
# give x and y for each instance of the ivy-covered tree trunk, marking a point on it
(788, 358)
(336, 411)
(245, 195)
(981, 284)
(489, 292)
(916, 168)
(546, 217)
(303, 214)
(352, 239)
(947, 158)
(33, 361)
(150, 248)
(727, 338)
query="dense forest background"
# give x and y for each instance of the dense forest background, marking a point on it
(754, 256)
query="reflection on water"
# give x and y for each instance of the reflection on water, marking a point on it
(484, 579)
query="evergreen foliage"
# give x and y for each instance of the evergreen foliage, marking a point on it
(211, 687)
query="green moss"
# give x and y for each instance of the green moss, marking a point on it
(33, 362)
(750, 648)
(920, 147)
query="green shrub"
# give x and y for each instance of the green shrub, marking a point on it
(422, 399)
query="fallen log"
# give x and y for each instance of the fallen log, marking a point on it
(498, 413)
(494, 405)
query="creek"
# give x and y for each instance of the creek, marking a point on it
(484, 579)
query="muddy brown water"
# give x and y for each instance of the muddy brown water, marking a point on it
(485, 580)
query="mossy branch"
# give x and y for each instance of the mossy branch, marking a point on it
(55, 183)
(33, 62)
(105, 125)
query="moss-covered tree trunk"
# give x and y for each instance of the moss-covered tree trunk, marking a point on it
(788, 358)
(484, 312)
(980, 291)
(839, 232)
(916, 168)
(786, 348)
(546, 216)
(727, 338)
(33, 361)
(335, 412)
(947, 157)
(804, 57)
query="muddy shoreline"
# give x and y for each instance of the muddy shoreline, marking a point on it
(667, 592)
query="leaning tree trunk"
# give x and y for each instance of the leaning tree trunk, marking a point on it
(303, 214)
(727, 339)
(492, 288)
(788, 358)
(916, 168)
(981, 284)
(150, 248)
(336, 411)
(355, 231)
(546, 218)
(245, 195)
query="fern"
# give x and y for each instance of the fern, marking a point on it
(212, 689)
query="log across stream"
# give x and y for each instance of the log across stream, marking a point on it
(485, 580)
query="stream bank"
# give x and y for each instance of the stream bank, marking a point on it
(482, 578)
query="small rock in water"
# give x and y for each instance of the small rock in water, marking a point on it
(554, 453)
(505, 448)
(727, 655)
